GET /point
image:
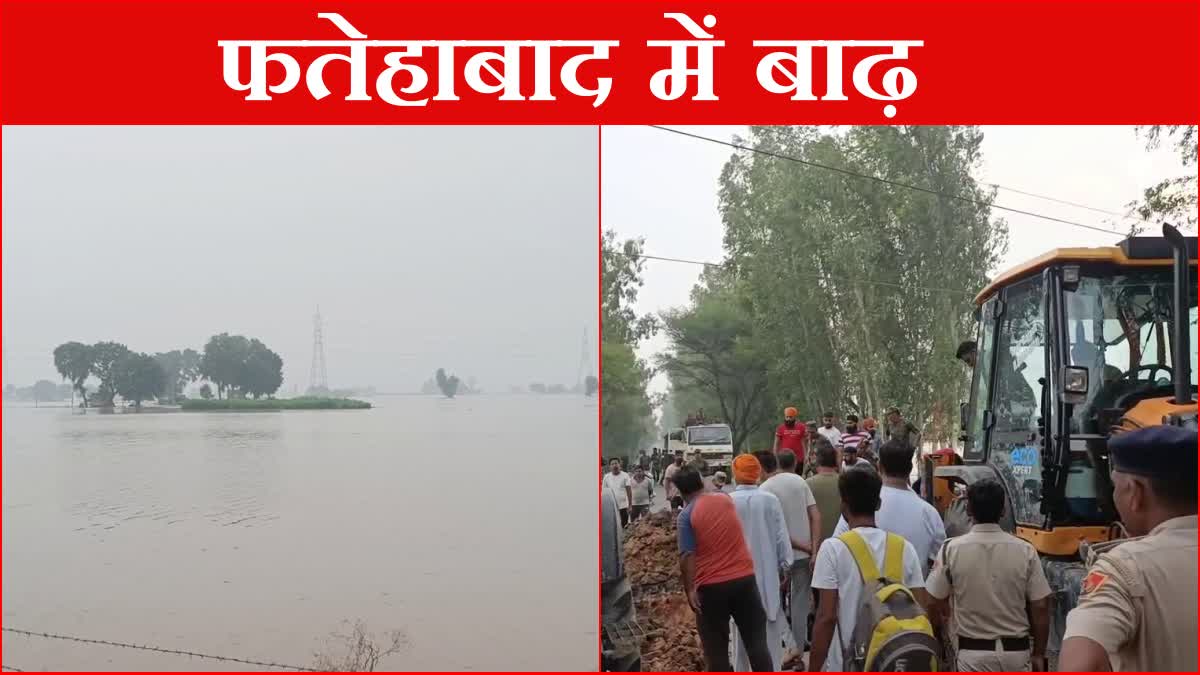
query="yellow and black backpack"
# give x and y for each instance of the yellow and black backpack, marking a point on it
(892, 632)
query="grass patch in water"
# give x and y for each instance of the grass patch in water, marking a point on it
(250, 405)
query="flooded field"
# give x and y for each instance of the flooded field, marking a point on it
(470, 525)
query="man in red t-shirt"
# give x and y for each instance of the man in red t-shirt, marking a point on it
(791, 434)
(718, 575)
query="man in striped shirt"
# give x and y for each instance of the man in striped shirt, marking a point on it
(854, 436)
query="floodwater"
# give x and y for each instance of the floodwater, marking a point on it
(470, 525)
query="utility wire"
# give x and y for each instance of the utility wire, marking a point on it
(161, 650)
(868, 282)
(1070, 203)
(885, 181)
(11, 669)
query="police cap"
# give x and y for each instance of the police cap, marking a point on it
(1155, 452)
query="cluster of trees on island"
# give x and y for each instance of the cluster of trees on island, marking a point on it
(449, 385)
(239, 367)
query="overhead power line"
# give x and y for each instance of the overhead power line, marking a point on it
(866, 282)
(1068, 202)
(885, 181)
(150, 648)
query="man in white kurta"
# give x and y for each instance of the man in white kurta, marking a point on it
(766, 534)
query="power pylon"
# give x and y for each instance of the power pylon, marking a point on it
(585, 362)
(318, 379)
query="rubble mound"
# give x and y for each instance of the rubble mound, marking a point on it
(652, 565)
(672, 645)
(651, 551)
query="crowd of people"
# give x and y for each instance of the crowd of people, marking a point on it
(811, 529)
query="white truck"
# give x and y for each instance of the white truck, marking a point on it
(675, 441)
(712, 443)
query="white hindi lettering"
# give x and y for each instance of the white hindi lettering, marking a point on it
(796, 65)
(501, 61)
(671, 83)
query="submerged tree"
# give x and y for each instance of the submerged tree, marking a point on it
(105, 357)
(73, 360)
(447, 384)
(180, 368)
(137, 377)
(44, 390)
(590, 385)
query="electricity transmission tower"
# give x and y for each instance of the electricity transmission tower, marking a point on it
(585, 363)
(318, 380)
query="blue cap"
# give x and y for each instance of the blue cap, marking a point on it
(1157, 452)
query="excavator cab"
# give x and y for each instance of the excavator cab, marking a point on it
(1073, 347)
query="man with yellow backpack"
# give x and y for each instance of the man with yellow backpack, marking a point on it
(870, 615)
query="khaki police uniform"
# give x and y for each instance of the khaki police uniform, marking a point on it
(993, 576)
(1139, 601)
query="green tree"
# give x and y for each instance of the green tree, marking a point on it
(590, 385)
(1173, 199)
(621, 278)
(44, 390)
(105, 356)
(137, 377)
(626, 421)
(73, 360)
(206, 391)
(861, 289)
(262, 371)
(713, 351)
(180, 368)
(447, 384)
(223, 361)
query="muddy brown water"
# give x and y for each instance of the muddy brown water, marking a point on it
(467, 524)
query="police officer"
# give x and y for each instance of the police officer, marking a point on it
(1137, 607)
(1001, 597)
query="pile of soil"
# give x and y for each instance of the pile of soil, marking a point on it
(673, 644)
(652, 565)
(651, 551)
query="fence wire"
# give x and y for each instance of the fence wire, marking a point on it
(150, 648)
(11, 669)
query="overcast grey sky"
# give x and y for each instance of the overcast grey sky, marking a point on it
(663, 187)
(472, 248)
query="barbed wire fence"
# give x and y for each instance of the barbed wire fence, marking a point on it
(151, 648)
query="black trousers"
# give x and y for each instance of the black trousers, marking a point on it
(624, 517)
(636, 512)
(737, 599)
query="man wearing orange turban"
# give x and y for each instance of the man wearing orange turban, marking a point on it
(791, 434)
(746, 470)
(765, 529)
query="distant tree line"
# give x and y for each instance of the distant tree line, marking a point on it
(237, 366)
(41, 391)
(588, 388)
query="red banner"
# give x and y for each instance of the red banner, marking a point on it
(590, 62)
